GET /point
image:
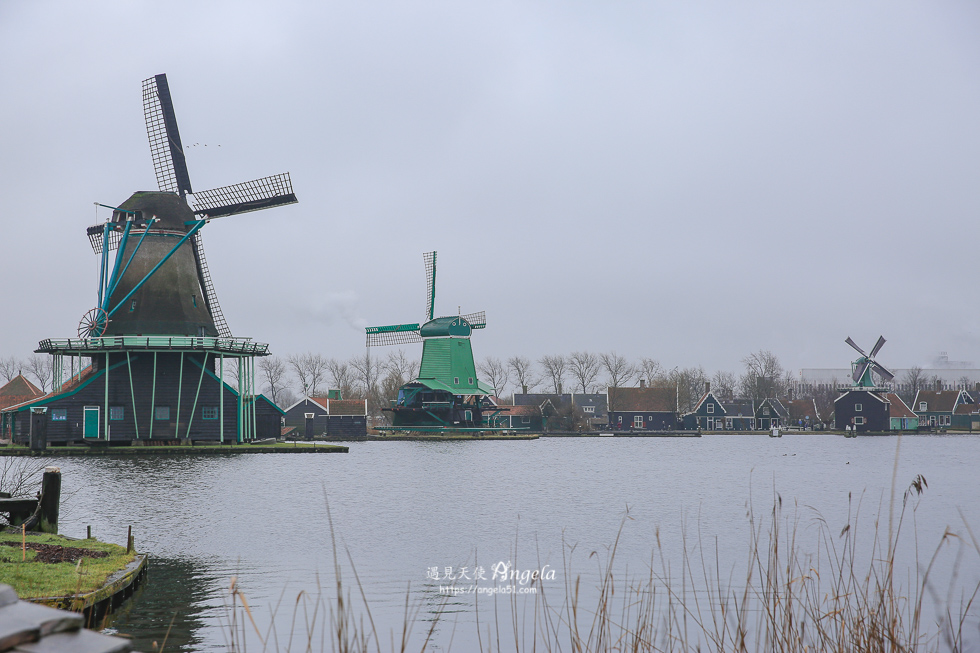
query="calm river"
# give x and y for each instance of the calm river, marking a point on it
(406, 515)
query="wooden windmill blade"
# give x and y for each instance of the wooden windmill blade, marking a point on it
(477, 320)
(430, 284)
(255, 195)
(394, 334)
(169, 163)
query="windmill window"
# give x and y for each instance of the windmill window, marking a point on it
(857, 408)
(59, 414)
(116, 412)
(209, 412)
(162, 413)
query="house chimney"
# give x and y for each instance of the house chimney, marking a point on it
(789, 393)
(643, 384)
(524, 389)
(707, 387)
(559, 390)
(939, 385)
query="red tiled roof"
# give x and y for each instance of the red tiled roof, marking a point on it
(941, 401)
(802, 408)
(897, 407)
(657, 400)
(520, 410)
(20, 387)
(346, 407)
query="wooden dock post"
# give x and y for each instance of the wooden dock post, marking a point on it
(50, 502)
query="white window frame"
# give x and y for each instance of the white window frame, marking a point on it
(858, 408)
(859, 420)
(711, 408)
(638, 421)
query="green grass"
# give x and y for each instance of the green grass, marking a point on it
(32, 579)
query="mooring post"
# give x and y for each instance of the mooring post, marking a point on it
(88, 532)
(129, 540)
(50, 500)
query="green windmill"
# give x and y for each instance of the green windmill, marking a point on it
(861, 368)
(447, 393)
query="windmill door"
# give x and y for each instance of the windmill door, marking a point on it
(91, 422)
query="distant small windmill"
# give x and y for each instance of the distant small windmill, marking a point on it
(447, 393)
(862, 368)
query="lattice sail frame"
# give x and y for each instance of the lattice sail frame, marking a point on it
(169, 164)
(378, 337)
(263, 193)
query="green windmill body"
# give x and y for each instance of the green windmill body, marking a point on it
(862, 368)
(447, 393)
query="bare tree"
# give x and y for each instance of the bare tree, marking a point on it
(310, 370)
(273, 370)
(10, 367)
(287, 397)
(496, 372)
(555, 369)
(724, 384)
(523, 370)
(343, 377)
(763, 376)
(652, 372)
(584, 368)
(399, 364)
(619, 371)
(690, 384)
(230, 372)
(368, 373)
(395, 371)
(39, 367)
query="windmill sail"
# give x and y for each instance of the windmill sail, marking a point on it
(207, 288)
(169, 163)
(264, 193)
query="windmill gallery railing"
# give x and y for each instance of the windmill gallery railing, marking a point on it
(244, 346)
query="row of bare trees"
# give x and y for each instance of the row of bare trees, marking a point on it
(587, 372)
(376, 379)
(35, 368)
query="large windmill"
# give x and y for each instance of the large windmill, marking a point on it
(862, 368)
(447, 393)
(159, 281)
(865, 406)
(156, 338)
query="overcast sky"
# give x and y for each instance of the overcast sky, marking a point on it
(686, 181)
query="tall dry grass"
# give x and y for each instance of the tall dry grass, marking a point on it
(839, 591)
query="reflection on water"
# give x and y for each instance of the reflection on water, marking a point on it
(403, 509)
(169, 609)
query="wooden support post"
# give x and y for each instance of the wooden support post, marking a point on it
(129, 540)
(88, 532)
(50, 503)
(153, 396)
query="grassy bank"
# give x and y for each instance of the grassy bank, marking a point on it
(57, 566)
